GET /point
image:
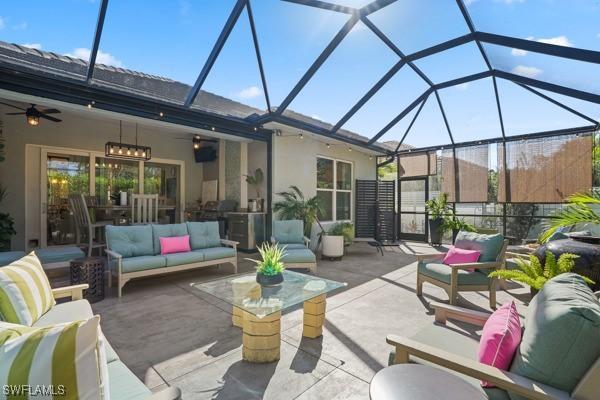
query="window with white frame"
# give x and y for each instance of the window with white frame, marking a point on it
(334, 189)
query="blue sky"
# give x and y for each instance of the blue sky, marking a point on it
(173, 38)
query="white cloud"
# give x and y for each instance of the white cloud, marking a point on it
(101, 57)
(37, 46)
(462, 86)
(316, 116)
(249, 92)
(518, 52)
(559, 41)
(3, 23)
(529, 72)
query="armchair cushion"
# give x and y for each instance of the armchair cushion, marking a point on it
(488, 245)
(286, 232)
(442, 272)
(204, 234)
(130, 241)
(560, 340)
(166, 231)
(25, 292)
(299, 256)
(293, 246)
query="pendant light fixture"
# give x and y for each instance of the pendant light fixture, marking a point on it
(127, 151)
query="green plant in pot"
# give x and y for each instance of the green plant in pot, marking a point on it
(7, 225)
(437, 209)
(453, 223)
(294, 205)
(269, 270)
(256, 180)
(335, 238)
(532, 273)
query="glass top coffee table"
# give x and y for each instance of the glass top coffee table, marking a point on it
(257, 309)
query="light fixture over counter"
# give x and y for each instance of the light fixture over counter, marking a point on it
(127, 151)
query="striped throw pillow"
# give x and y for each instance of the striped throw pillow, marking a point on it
(64, 361)
(25, 293)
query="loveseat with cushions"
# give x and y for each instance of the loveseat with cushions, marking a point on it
(135, 251)
(558, 357)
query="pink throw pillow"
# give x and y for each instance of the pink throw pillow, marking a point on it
(500, 338)
(175, 244)
(461, 256)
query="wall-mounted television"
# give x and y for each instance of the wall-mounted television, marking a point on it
(205, 154)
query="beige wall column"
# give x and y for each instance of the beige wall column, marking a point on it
(221, 160)
(243, 173)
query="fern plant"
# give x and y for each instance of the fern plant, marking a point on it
(533, 274)
(271, 256)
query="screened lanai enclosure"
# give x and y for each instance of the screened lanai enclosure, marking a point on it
(494, 106)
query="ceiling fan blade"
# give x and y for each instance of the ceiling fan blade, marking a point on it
(50, 118)
(50, 111)
(15, 113)
(10, 105)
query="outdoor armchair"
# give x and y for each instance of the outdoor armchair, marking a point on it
(297, 252)
(457, 278)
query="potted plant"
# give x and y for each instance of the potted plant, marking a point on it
(295, 206)
(532, 273)
(437, 210)
(7, 225)
(256, 180)
(334, 240)
(269, 270)
(452, 223)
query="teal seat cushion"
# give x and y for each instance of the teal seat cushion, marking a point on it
(130, 241)
(561, 337)
(204, 234)
(286, 232)
(215, 253)
(183, 258)
(59, 254)
(168, 230)
(124, 385)
(488, 245)
(142, 263)
(6, 257)
(443, 272)
(293, 246)
(299, 256)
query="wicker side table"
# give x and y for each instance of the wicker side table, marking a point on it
(89, 270)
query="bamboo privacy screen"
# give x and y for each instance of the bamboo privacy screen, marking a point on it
(544, 170)
(417, 164)
(465, 174)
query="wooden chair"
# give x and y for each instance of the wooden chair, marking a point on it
(144, 209)
(83, 222)
(457, 278)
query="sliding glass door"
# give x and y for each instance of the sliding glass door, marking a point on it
(413, 217)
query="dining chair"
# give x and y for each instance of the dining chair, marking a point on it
(144, 209)
(83, 223)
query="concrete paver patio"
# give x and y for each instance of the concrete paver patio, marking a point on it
(169, 333)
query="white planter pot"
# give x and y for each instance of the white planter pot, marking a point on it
(333, 246)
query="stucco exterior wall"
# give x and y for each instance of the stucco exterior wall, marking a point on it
(295, 163)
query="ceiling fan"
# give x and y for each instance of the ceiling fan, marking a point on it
(197, 140)
(34, 114)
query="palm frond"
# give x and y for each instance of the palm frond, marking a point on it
(573, 214)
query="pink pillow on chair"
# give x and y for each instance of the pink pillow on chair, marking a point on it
(500, 338)
(175, 244)
(461, 256)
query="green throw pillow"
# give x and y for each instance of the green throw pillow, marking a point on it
(561, 337)
(25, 293)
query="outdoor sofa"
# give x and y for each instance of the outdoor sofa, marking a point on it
(123, 384)
(558, 357)
(290, 235)
(50, 257)
(134, 251)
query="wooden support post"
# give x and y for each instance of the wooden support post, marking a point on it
(262, 338)
(314, 317)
